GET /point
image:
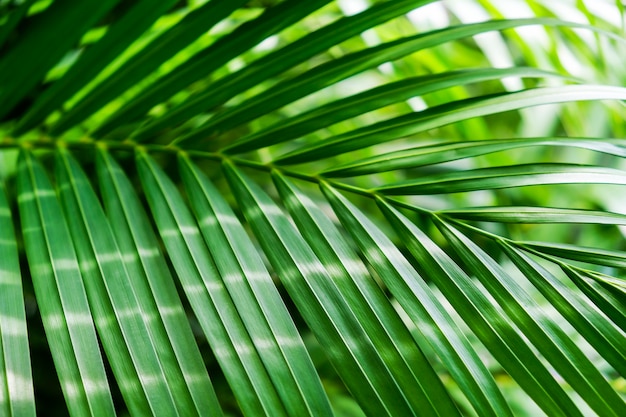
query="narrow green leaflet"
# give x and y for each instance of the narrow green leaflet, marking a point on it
(157, 293)
(94, 59)
(434, 326)
(446, 152)
(446, 114)
(342, 68)
(408, 365)
(256, 297)
(120, 319)
(277, 62)
(546, 335)
(595, 256)
(149, 59)
(488, 323)
(615, 285)
(506, 177)
(578, 310)
(218, 54)
(231, 342)
(607, 302)
(60, 294)
(373, 99)
(45, 42)
(319, 301)
(16, 382)
(537, 215)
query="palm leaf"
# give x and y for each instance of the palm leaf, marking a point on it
(17, 384)
(297, 208)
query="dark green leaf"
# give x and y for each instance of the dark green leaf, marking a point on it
(148, 59)
(94, 59)
(51, 34)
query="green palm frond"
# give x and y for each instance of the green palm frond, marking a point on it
(347, 208)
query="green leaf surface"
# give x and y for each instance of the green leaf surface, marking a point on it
(192, 26)
(591, 285)
(488, 323)
(607, 257)
(146, 270)
(61, 296)
(536, 215)
(342, 68)
(410, 368)
(120, 319)
(614, 284)
(275, 63)
(545, 334)
(446, 114)
(373, 99)
(13, 20)
(506, 177)
(256, 297)
(212, 304)
(578, 310)
(16, 382)
(319, 301)
(446, 152)
(157, 294)
(94, 59)
(434, 326)
(51, 34)
(249, 34)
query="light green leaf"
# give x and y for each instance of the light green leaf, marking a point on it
(615, 285)
(593, 286)
(595, 256)
(577, 309)
(119, 317)
(537, 215)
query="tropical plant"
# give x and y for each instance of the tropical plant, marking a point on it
(311, 208)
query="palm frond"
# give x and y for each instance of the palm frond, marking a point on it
(238, 208)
